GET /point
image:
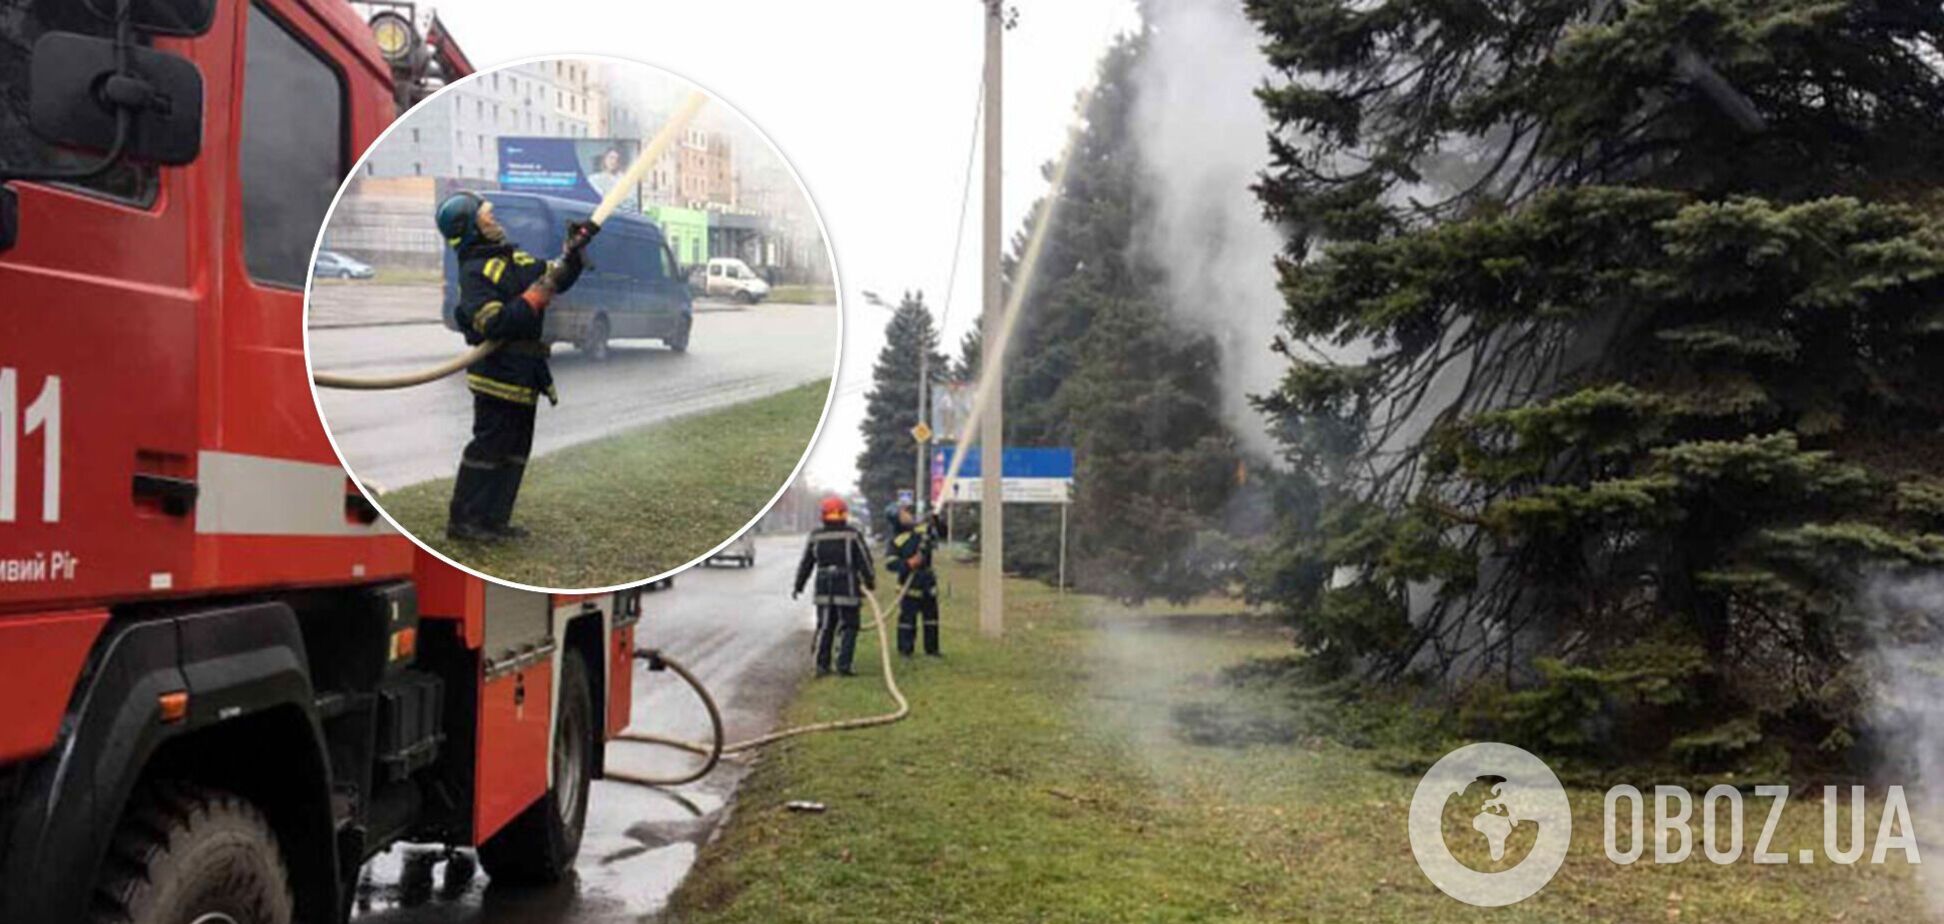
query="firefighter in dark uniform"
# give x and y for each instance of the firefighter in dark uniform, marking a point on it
(910, 558)
(503, 295)
(841, 561)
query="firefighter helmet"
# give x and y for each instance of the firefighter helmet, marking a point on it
(835, 510)
(458, 218)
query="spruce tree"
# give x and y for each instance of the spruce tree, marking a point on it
(891, 407)
(1631, 340)
(1098, 365)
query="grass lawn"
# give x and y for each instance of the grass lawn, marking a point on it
(1093, 766)
(804, 295)
(634, 505)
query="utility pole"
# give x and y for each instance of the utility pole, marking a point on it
(992, 525)
(921, 475)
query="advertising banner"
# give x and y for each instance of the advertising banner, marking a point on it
(571, 168)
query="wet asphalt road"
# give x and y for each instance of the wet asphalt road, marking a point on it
(740, 632)
(402, 437)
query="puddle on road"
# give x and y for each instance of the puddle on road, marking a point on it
(640, 843)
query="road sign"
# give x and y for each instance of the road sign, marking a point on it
(922, 432)
(1039, 475)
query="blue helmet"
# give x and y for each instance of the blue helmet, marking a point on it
(458, 219)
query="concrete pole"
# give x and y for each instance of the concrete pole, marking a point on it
(921, 477)
(992, 526)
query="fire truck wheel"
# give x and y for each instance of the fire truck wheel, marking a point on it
(539, 846)
(187, 854)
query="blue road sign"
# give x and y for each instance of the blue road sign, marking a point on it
(1037, 462)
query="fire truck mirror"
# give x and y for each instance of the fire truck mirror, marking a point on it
(77, 94)
(186, 18)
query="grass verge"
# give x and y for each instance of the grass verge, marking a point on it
(1095, 766)
(804, 295)
(636, 504)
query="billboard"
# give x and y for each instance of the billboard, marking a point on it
(571, 168)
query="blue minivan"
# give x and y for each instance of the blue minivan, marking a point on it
(632, 287)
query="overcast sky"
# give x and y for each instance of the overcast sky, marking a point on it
(872, 101)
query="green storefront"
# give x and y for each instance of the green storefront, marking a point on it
(687, 231)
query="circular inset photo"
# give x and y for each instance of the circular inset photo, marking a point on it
(572, 323)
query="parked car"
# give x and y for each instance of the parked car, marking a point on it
(631, 287)
(741, 550)
(333, 265)
(728, 277)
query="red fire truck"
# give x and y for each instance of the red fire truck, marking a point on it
(224, 682)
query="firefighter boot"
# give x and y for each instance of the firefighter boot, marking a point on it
(928, 608)
(847, 621)
(907, 624)
(826, 633)
(471, 493)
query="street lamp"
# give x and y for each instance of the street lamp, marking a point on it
(919, 483)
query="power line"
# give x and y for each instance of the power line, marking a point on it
(965, 198)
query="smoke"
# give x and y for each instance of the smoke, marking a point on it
(1201, 141)
(1906, 615)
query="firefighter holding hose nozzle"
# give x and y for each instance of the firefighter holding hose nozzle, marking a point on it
(837, 556)
(910, 558)
(503, 295)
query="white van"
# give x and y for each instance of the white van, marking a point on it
(728, 277)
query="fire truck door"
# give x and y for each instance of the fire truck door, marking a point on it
(515, 707)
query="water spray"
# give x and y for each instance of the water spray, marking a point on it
(615, 196)
(714, 750)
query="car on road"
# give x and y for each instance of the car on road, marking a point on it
(333, 265)
(741, 550)
(728, 277)
(631, 287)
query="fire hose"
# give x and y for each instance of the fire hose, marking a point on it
(715, 749)
(615, 196)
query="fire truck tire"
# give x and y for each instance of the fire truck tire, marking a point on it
(539, 846)
(185, 854)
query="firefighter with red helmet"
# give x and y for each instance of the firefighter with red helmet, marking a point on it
(503, 295)
(838, 557)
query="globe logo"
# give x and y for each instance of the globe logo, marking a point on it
(1490, 824)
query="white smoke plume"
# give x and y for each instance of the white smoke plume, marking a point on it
(1201, 138)
(1907, 618)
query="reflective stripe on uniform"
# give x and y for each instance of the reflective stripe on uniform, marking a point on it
(485, 315)
(494, 269)
(505, 391)
(833, 600)
(522, 258)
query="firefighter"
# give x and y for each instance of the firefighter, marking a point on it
(503, 295)
(842, 563)
(910, 558)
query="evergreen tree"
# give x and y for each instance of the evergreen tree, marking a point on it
(1636, 309)
(891, 408)
(1097, 365)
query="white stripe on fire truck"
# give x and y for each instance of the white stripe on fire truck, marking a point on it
(238, 494)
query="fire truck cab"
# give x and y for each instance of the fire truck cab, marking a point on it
(226, 683)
